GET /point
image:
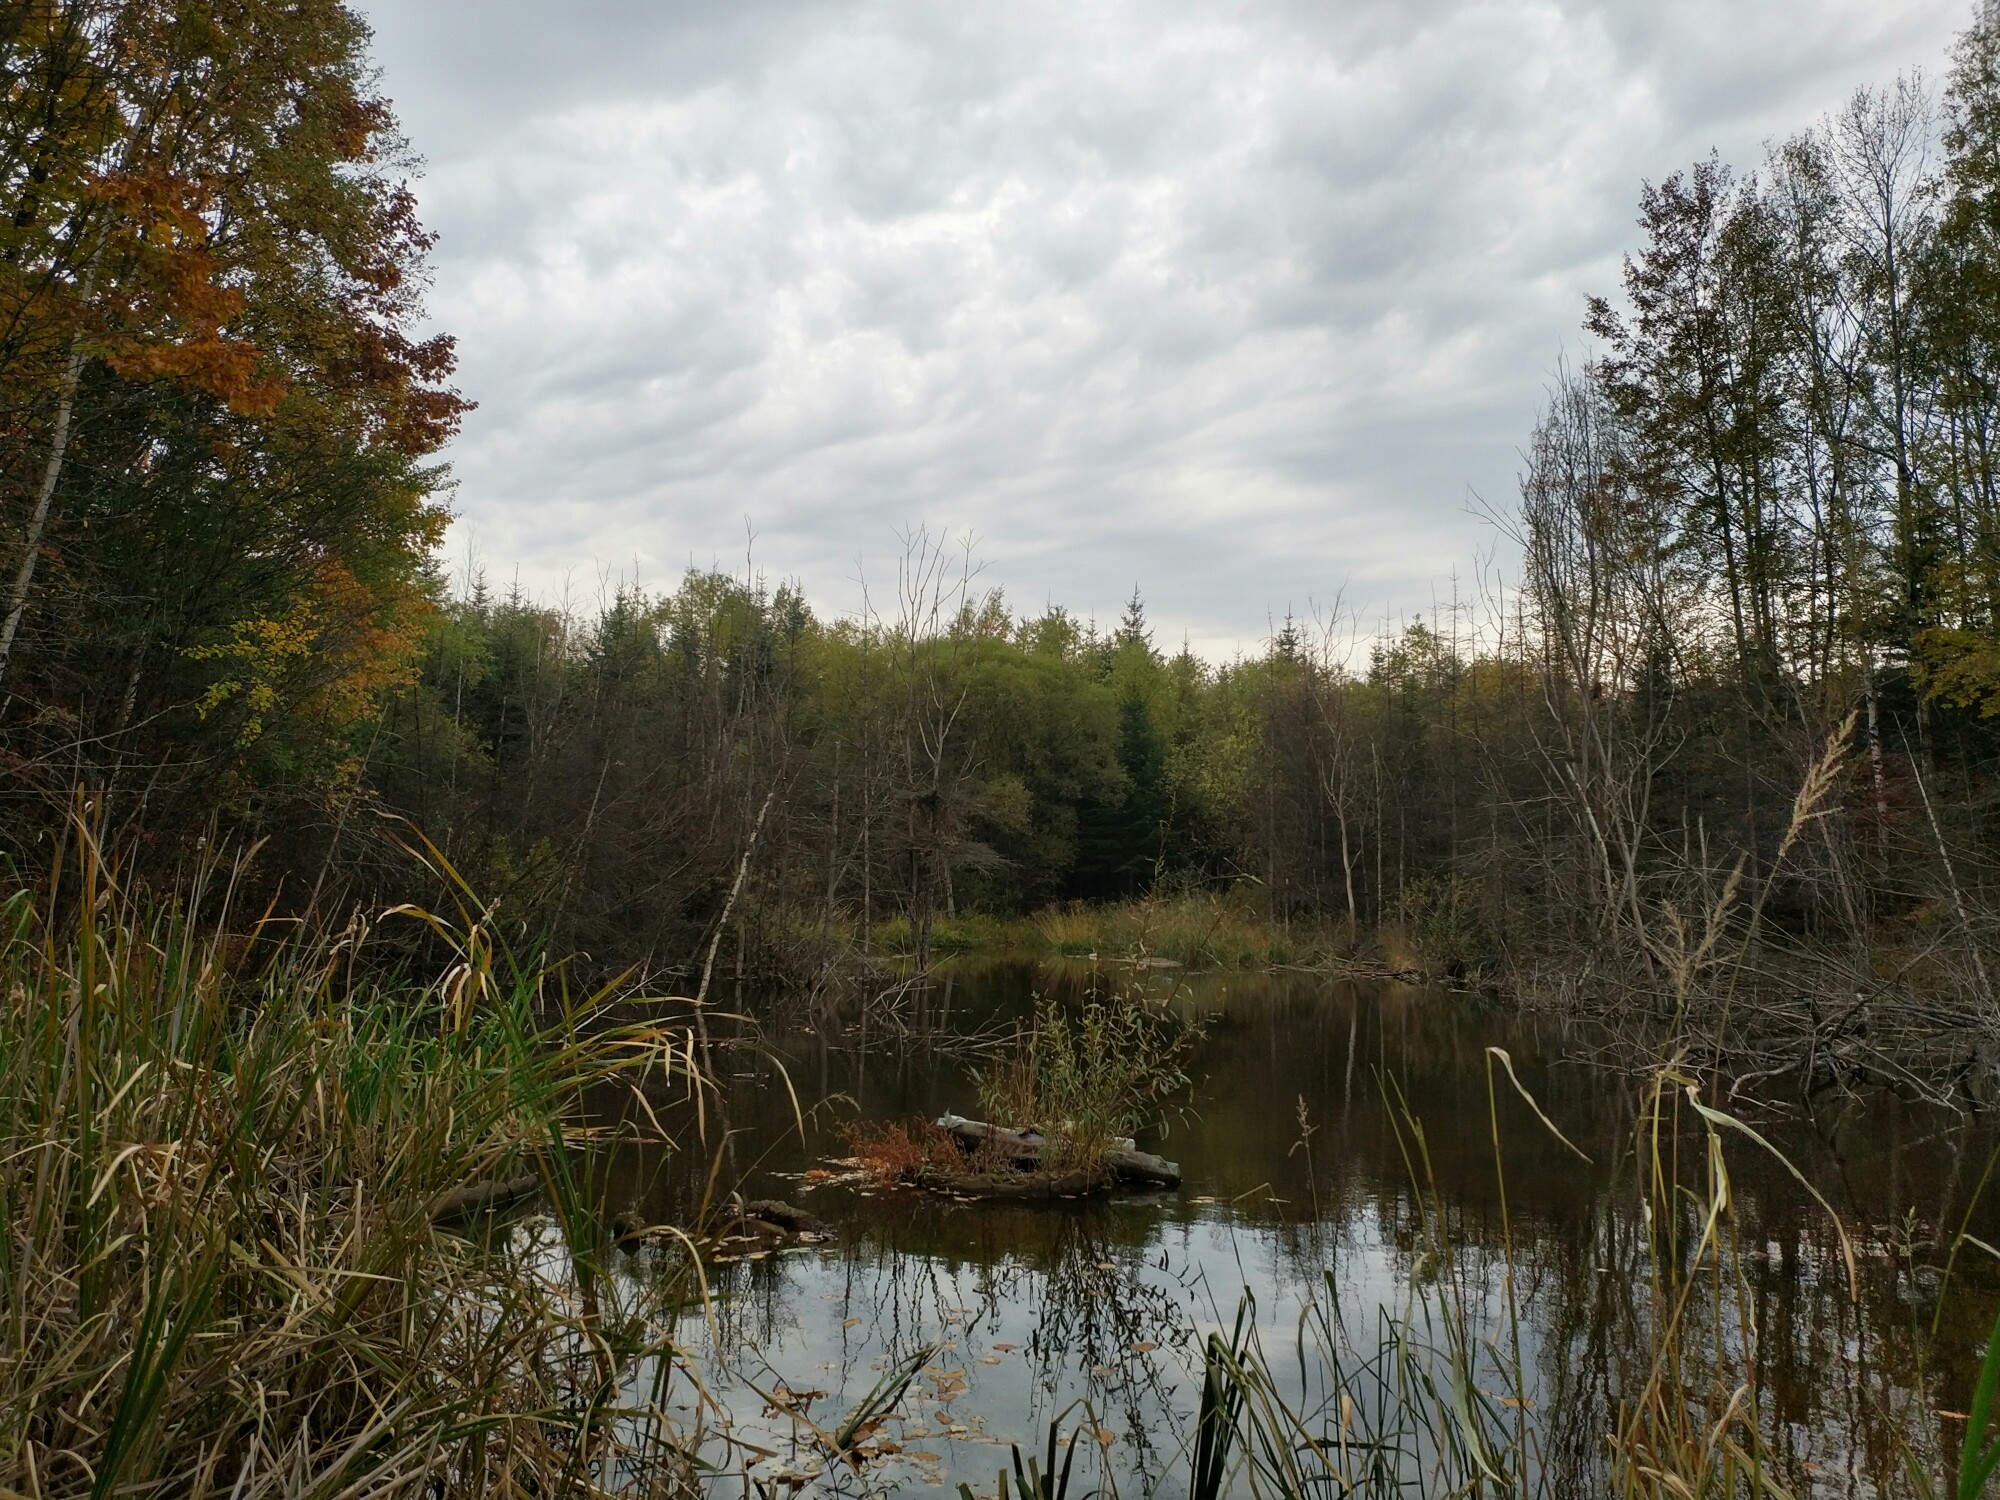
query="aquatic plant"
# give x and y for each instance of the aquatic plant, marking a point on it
(901, 1150)
(1979, 1457)
(1086, 1074)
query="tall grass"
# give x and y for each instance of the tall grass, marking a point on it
(1199, 929)
(893, 937)
(1082, 1075)
(222, 1146)
(1440, 1395)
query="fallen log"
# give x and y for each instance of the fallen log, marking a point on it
(481, 1197)
(792, 1221)
(1029, 1184)
(1022, 1146)
(757, 1227)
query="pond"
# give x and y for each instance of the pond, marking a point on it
(1338, 1134)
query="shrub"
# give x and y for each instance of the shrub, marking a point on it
(1105, 1068)
(1446, 920)
(897, 1150)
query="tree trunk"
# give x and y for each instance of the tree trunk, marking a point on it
(38, 521)
(1121, 1156)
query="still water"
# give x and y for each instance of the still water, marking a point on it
(1299, 1192)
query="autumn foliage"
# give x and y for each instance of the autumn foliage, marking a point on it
(216, 409)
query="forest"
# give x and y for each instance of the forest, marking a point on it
(1734, 690)
(340, 891)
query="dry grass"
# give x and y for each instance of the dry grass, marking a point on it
(1198, 929)
(894, 1151)
(219, 1271)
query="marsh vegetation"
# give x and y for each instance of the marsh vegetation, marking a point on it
(242, 1175)
(406, 985)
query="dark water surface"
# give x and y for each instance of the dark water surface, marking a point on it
(1299, 1190)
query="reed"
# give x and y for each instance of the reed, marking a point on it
(223, 1150)
(1438, 1396)
(1198, 929)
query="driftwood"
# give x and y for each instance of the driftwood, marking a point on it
(758, 1227)
(1030, 1184)
(482, 1197)
(1025, 1147)
(792, 1221)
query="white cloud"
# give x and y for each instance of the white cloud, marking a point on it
(1236, 301)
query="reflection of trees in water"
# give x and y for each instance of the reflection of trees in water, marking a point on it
(1575, 1289)
(1845, 1396)
(916, 1019)
(1837, 1377)
(1096, 1314)
(1844, 1383)
(1106, 1325)
(1847, 1382)
(1847, 1386)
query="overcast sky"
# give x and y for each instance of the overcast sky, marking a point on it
(1241, 303)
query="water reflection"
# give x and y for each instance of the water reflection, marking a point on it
(1299, 1186)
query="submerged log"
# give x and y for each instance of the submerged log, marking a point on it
(481, 1197)
(792, 1221)
(1025, 1146)
(1025, 1184)
(757, 1227)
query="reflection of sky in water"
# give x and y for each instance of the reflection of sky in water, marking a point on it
(1040, 1307)
(1109, 1325)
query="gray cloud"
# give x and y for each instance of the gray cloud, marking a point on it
(1237, 301)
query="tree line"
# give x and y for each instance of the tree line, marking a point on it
(1743, 692)
(606, 772)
